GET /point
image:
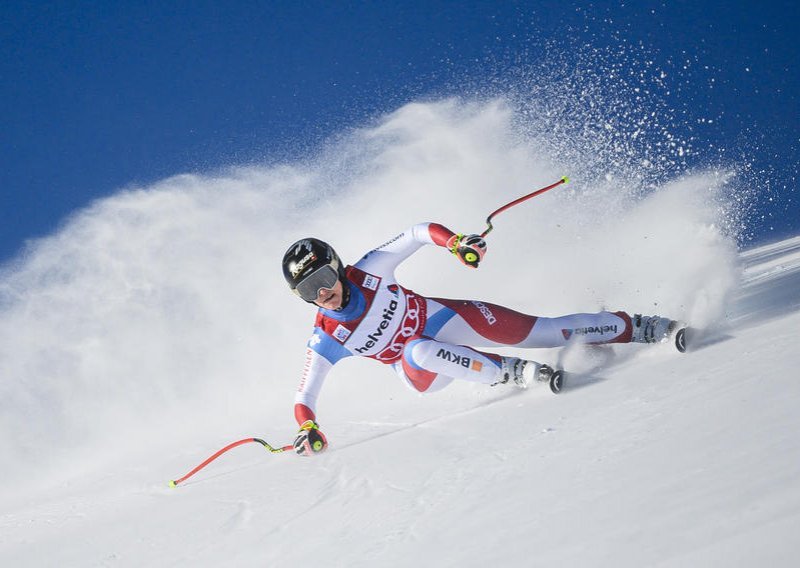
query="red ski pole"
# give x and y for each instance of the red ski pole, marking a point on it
(520, 200)
(175, 482)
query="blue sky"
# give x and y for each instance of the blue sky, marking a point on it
(96, 96)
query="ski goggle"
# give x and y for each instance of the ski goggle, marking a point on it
(323, 277)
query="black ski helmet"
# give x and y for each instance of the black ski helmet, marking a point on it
(309, 265)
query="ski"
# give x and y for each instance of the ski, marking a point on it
(681, 341)
(557, 381)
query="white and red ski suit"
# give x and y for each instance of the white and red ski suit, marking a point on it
(425, 339)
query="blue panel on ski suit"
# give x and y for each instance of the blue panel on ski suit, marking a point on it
(327, 347)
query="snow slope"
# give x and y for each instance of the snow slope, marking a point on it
(154, 328)
(662, 460)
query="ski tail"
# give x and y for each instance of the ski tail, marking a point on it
(683, 338)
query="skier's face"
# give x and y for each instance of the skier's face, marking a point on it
(330, 298)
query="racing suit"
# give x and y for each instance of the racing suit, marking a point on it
(426, 340)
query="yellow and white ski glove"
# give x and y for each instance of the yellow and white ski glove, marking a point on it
(468, 248)
(310, 440)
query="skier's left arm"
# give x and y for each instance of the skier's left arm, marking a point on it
(469, 249)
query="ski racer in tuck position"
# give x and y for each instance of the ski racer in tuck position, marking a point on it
(429, 342)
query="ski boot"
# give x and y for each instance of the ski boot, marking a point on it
(522, 373)
(652, 329)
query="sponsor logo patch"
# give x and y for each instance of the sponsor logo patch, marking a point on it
(596, 330)
(457, 359)
(413, 321)
(485, 312)
(370, 282)
(341, 333)
(387, 243)
(386, 319)
(298, 268)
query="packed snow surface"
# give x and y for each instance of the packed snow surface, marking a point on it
(155, 328)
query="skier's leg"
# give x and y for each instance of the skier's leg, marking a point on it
(429, 365)
(602, 327)
(596, 328)
(489, 325)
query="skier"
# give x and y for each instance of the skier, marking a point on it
(363, 311)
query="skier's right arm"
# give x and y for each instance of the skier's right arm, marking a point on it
(322, 352)
(305, 401)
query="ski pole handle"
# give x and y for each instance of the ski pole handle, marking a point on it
(520, 200)
(175, 482)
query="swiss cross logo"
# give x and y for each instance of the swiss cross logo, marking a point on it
(341, 333)
(371, 282)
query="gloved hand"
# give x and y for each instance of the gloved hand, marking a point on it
(468, 248)
(310, 440)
